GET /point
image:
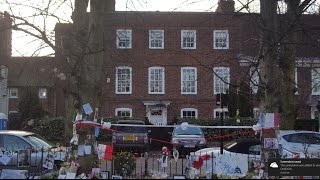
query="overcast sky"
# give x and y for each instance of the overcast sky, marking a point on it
(22, 45)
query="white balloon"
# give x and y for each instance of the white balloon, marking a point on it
(184, 125)
(106, 125)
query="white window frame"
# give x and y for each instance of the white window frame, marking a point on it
(184, 34)
(218, 81)
(215, 34)
(315, 81)
(162, 73)
(313, 111)
(189, 109)
(123, 109)
(127, 33)
(4, 72)
(152, 38)
(254, 79)
(11, 90)
(224, 110)
(186, 82)
(117, 80)
(256, 112)
(43, 91)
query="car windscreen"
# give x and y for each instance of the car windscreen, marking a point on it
(188, 131)
(244, 147)
(131, 129)
(39, 142)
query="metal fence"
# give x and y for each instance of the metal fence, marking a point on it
(35, 161)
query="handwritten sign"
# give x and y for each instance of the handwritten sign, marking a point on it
(5, 157)
(234, 165)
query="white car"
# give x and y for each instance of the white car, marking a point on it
(304, 143)
(233, 161)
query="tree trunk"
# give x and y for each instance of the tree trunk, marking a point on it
(287, 65)
(87, 66)
(270, 102)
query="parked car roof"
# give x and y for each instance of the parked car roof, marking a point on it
(283, 132)
(130, 122)
(16, 132)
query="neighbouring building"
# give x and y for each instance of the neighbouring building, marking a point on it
(167, 65)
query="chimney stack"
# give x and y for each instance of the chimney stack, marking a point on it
(103, 5)
(225, 6)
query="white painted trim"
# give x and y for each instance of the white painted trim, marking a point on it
(220, 111)
(10, 93)
(162, 40)
(163, 80)
(128, 33)
(195, 39)
(254, 83)
(313, 73)
(215, 77)
(196, 79)
(214, 39)
(189, 109)
(116, 74)
(123, 109)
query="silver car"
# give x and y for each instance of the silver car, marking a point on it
(188, 139)
(26, 150)
(128, 137)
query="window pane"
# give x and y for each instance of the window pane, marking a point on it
(15, 143)
(221, 80)
(188, 80)
(123, 80)
(156, 80)
(124, 38)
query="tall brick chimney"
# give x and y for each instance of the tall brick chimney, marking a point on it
(225, 6)
(105, 5)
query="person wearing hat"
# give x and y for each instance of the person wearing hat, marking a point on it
(164, 158)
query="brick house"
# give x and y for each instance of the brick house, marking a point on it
(5, 54)
(165, 65)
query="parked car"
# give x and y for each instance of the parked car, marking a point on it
(130, 137)
(27, 149)
(304, 143)
(235, 154)
(188, 139)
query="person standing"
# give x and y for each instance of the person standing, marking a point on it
(28, 125)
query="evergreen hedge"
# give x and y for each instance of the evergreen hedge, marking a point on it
(50, 128)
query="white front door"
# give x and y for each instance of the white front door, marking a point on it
(157, 115)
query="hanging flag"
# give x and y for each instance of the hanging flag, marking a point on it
(108, 153)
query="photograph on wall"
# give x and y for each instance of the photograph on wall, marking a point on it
(24, 158)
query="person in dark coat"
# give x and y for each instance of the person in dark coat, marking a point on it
(28, 125)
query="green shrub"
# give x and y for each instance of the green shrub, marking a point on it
(50, 128)
(124, 163)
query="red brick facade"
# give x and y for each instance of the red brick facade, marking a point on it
(244, 39)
